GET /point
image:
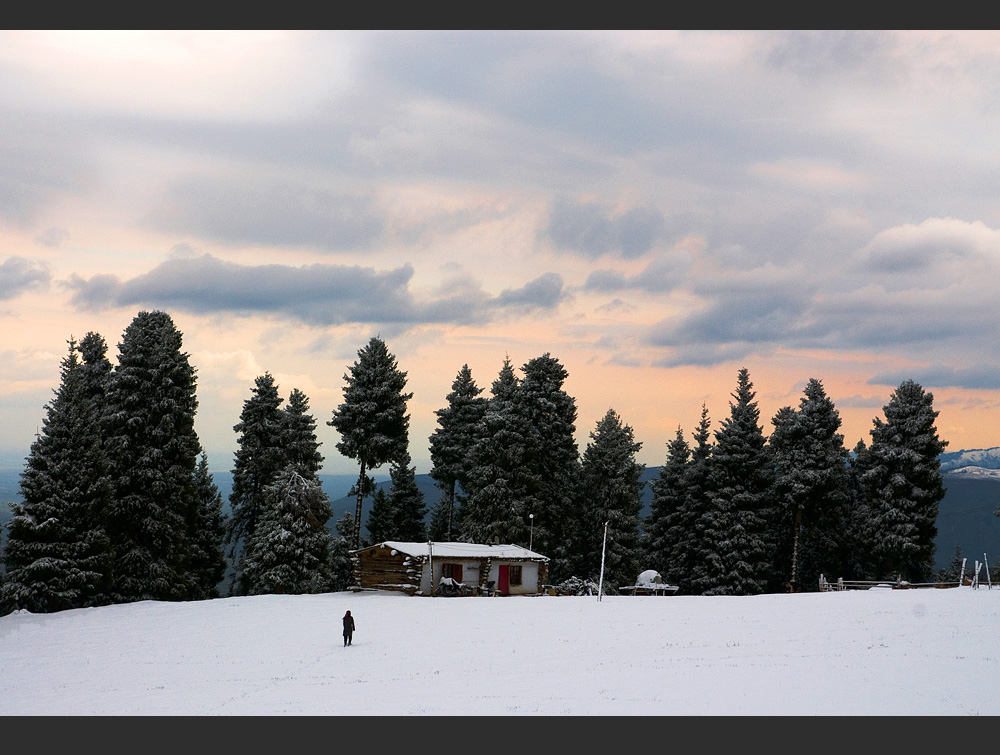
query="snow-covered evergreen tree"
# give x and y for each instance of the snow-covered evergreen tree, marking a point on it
(289, 551)
(500, 478)
(694, 577)
(666, 539)
(553, 459)
(95, 370)
(208, 535)
(299, 441)
(260, 457)
(903, 484)
(381, 522)
(452, 442)
(740, 519)
(611, 492)
(341, 566)
(372, 420)
(58, 554)
(152, 449)
(406, 501)
(810, 490)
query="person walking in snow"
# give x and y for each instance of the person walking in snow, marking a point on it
(348, 628)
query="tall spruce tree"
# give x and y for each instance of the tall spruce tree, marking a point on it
(152, 449)
(289, 551)
(611, 492)
(58, 554)
(260, 457)
(208, 535)
(341, 565)
(406, 501)
(380, 525)
(666, 539)
(452, 442)
(739, 519)
(372, 420)
(903, 484)
(810, 490)
(694, 578)
(500, 479)
(301, 448)
(553, 460)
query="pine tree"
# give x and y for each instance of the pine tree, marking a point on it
(259, 459)
(152, 449)
(58, 554)
(740, 517)
(380, 525)
(208, 534)
(452, 442)
(694, 576)
(500, 479)
(903, 484)
(289, 551)
(858, 521)
(406, 501)
(372, 420)
(301, 448)
(810, 489)
(553, 461)
(611, 493)
(341, 566)
(666, 540)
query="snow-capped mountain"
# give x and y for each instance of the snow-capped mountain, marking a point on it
(981, 458)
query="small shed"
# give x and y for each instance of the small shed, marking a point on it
(451, 568)
(649, 582)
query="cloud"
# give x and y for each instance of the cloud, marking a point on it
(317, 294)
(979, 377)
(18, 275)
(662, 274)
(545, 292)
(251, 210)
(595, 230)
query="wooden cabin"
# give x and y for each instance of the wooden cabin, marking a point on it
(451, 568)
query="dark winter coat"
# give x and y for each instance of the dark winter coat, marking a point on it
(348, 624)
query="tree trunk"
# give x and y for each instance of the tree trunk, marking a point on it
(451, 508)
(794, 581)
(357, 509)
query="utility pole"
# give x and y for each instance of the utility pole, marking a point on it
(604, 545)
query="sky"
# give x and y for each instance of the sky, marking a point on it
(878, 652)
(655, 209)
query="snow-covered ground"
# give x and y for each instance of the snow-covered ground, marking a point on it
(878, 652)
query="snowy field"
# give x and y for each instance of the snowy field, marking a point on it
(918, 652)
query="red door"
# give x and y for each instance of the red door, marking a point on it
(504, 587)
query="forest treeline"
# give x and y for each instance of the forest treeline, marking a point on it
(118, 503)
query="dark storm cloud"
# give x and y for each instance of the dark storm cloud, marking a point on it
(18, 275)
(595, 230)
(244, 210)
(314, 294)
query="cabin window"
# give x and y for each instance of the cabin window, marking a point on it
(454, 571)
(515, 575)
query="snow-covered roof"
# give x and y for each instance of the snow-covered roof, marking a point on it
(462, 550)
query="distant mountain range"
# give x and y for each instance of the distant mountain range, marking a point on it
(966, 516)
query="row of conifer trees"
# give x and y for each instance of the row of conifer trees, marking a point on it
(118, 503)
